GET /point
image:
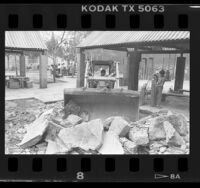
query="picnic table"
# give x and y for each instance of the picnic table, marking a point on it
(21, 80)
(165, 95)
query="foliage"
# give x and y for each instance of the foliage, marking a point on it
(64, 45)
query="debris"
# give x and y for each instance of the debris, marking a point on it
(67, 130)
(57, 120)
(62, 122)
(56, 147)
(111, 144)
(169, 130)
(120, 126)
(139, 135)
(41, 145)
(156, 129)
(163, 149)
(71, 108)
(85, 135)
(143, 150)
(74, 119)
(179, 122)
(107, 122)
(129, 146)
(176, 140)
(85, 116)
(186, 138)
(174, 150)
(52, 131)
(35, 131)
(21, 131)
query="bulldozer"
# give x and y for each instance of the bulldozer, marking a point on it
(101, 97)
(102, 74)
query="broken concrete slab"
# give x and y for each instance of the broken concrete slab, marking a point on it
(57, 147)
(120, 126)
(85, 135)
(176, 140)
(174, 151)
(169, 130)
(139, 135)
(85, 116)
(111, 144)
(74, 119)
(129, 146)
(156, 129)
(52, 131)
(35, 130)
(179, 122)
(107, 122)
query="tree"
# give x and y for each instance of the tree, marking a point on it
(64, 45)
(55, 49)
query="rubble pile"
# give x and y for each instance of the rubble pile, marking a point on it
(69, 130)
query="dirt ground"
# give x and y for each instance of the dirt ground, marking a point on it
(18, 115)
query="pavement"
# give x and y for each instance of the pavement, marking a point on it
(53, 92)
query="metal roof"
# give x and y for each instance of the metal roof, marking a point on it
(24, 40)
(127, 38)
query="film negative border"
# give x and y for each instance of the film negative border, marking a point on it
(138, 168)
(84, 168)
(64, 18)
(110, 21)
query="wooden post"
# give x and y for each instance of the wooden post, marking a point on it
(126, 70)
(43, 70)
(145, 69)
(22, 65)
(153, 92)
(134, 59)
(80, 56)
(180, 70)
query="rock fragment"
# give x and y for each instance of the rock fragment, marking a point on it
(156, 129)
(74, 119)
(85, 135)
(107, 122)
(129, 146)
(179, 122)
(120, 126)
(35, 130)
(85, 116)
(56, 147)
(169, 130)
(176, 140)
(111, 144)
(71, 108)
(139, 136)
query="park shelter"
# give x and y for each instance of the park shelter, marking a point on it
(136, 43)
(24, 42)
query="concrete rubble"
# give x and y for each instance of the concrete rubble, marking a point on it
(60, 129)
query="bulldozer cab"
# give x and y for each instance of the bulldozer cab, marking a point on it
(102, 74)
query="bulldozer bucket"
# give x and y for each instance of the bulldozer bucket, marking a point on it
(102, 104)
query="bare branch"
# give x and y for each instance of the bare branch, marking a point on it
(61, 40)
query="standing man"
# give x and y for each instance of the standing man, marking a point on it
(159, 87)
(154, 89)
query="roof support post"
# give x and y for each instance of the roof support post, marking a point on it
(134, 59)
(80, 57)
(179, 75)
(22, 65)
(43, 70)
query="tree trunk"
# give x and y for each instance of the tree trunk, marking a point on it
(54, 69)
